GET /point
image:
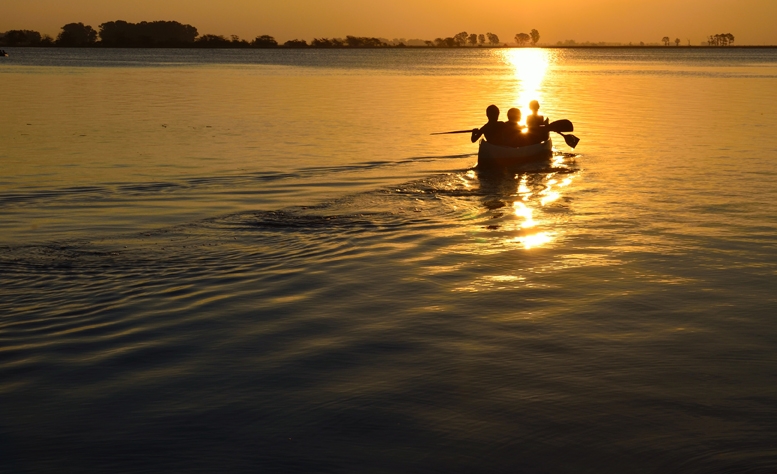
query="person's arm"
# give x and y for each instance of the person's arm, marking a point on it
(478, 132)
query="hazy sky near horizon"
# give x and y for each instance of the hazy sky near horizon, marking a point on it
(557, 20)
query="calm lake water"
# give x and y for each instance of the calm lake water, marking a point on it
(262, 261)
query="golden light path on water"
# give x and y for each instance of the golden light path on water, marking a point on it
(530, 68)
(526, 207)
(525, 218)
(530, 65)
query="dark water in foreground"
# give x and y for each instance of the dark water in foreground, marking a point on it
(345, 299)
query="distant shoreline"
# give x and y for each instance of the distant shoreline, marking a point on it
(715, 48)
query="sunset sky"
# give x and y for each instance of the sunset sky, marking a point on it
(557, 20)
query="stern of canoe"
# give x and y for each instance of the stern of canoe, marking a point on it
(504, 157)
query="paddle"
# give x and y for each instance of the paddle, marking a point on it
(571, 140)
(457, 131)
(557, 126)
(563, 126)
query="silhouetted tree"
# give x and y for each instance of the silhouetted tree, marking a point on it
(722, 39)
(493, 39)
(535, 37)
(429, 43)
(472, 39)
(482, 39)
(461, 38)
(364, 42)
(296, 43)
(266, 41)
(21, 38)
(236, 42)
(448, 42)
(677, 41)
(212, 41)
(77, 34)
(146, 33)
(666, 40)
(327, 43)
(522, 39)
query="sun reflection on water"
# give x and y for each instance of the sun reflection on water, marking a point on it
(522, 210)
(530, 66)
(534, 240)
(529, 223)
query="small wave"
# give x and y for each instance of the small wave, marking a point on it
(22, 197)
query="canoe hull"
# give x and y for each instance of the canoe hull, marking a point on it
(505, 157)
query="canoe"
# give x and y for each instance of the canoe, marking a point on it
(492, 156)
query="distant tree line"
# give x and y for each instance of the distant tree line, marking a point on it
(587, 44)
(723, 39)
(155, 33)
(174, 34)
(463, 39)
(25, 38)
(349, 42)
(124, 34)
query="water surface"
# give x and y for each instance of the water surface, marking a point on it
(241, 261)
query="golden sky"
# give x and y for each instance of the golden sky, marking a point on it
(751, 21)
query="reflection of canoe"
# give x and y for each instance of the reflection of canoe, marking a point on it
(495, 156)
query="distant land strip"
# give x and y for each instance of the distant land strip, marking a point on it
(172, 34)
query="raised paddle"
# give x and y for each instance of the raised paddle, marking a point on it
(557, 126)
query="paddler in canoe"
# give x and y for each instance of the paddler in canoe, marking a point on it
(493, 130)
(511, 133)
(506, 146)
(514, 132)
(537, 123)
(506, 134)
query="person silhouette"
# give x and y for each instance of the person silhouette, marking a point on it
(493, 129)
(513, 131)
(535, 122)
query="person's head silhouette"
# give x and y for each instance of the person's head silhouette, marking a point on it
(492, 112)
(513, 115)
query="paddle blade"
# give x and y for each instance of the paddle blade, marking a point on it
(448, 133)
(571, 140)
(560, 126)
